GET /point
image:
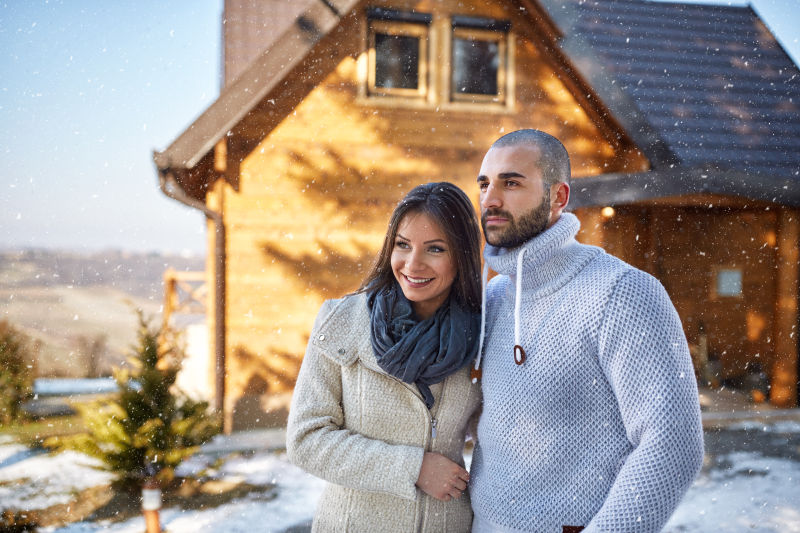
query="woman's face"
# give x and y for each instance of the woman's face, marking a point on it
(423, 263)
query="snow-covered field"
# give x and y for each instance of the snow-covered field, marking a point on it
(752, 493)
(736, 492)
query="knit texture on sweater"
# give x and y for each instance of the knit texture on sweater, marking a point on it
(600, 427)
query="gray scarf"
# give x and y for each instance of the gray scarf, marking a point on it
(420, 351)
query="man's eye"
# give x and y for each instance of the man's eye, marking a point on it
(483, 185)
(512, 184)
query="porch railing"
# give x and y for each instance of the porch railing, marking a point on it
(184, 292)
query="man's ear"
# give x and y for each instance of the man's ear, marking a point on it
(559, 198)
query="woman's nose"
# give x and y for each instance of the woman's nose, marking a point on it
(415, 261)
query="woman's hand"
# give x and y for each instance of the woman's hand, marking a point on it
(441, 478)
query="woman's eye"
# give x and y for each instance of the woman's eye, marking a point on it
(436, 249)
(401, 244)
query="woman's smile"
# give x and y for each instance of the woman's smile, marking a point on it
(417, 281)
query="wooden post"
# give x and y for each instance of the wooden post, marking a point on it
(651, 250)
(151, 504)
(170, 296)
(592, 226)
(783, 392)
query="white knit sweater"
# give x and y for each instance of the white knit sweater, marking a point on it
(600, 427)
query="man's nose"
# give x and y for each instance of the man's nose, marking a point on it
(490, 197)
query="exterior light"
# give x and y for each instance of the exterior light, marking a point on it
(607, 212)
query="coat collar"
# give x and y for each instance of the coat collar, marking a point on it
(343, 335)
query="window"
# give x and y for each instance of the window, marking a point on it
(729, 282)
(412, 60)
(479, 59)
(398, 52)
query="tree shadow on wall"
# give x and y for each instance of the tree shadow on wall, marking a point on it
(265, 381)
(329, 272)
(325, 176)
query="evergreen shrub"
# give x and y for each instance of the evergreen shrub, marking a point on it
(149, 426)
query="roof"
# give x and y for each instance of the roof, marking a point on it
(698, 87)
(251, 87)
(712, 81)
(620, 189)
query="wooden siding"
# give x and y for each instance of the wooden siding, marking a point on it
(250, 27)
(315, 183)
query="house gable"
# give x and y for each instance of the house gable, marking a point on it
(253, 104)
(315, 167)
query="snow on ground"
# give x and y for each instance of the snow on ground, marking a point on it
(31, 479)
(739, 492)
(294, 503)
(747, 493)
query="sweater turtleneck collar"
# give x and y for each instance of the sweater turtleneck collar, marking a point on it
(540, 266)
(549, 260)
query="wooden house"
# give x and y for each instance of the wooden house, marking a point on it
(682, 123)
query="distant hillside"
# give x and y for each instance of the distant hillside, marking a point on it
(81, 306)
(139, 274)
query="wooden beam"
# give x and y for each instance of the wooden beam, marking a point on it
(783, 392)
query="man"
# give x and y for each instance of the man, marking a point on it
(591, 419)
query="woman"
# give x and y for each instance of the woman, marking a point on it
(383, 398)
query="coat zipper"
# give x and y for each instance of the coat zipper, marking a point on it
(434, 427)
(428, 442)
(433, 421)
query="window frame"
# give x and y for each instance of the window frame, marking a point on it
(474, 34)
(435, 35)
(421, 31)
(485, 29)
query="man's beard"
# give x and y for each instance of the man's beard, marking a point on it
(519, 231)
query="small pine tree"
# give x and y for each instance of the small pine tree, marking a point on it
(17, 355)
(149, 423)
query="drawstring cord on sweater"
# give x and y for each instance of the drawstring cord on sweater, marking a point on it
(475, 373)
(519, 352)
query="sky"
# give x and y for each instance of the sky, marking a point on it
(90, 88)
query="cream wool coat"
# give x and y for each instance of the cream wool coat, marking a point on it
(365, 432)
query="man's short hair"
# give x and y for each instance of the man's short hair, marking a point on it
(554, 159)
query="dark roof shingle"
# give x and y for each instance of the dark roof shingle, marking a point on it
(711, 80)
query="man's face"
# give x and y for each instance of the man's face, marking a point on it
(515, 203)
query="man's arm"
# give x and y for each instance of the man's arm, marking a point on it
(643, 352)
